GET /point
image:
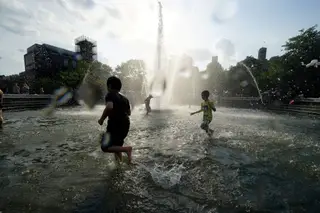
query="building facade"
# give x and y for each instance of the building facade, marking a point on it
(47, 60)
(262, 53)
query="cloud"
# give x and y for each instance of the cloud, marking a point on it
(74, 4)
(225, 47)
(226, 52)
(224, 10)
(21, 50)
(13, 16)
(123, 29)
(200, 54)
(112, 35)
(113, 12)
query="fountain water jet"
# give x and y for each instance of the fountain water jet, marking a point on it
(254, 80)
(159, 87)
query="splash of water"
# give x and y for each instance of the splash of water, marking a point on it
(164, 176)
(61, 96)
(93, 86)
(254, 80)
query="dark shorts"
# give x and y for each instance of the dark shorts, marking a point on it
(1, 106)
(115, 135)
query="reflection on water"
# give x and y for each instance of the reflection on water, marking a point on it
(254, 162)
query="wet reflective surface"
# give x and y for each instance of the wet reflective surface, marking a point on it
(255, 162)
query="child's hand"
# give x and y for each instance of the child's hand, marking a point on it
(100, 121)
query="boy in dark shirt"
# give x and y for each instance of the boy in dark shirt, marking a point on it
(118, 111)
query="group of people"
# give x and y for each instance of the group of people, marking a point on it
(117, 109)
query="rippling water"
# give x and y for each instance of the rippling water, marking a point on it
(255, 162)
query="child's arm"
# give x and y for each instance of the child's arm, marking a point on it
(107, 109)
(213, 107)
(128, 109)
(106, 112)
(200, 110)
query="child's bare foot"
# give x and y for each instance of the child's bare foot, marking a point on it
(129, 153)
(210, 132)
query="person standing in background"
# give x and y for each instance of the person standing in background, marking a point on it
(25, 89)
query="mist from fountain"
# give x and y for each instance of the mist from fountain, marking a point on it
(162, 80)
(158, 87)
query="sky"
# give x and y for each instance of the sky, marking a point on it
(127, 29)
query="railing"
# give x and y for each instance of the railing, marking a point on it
(299, 108)
(239, 98)
(305, 106)
(310, 106)
(25, 101)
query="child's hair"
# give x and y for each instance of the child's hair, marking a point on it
(114, 83)
(205, 93)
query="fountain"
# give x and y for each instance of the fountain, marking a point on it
(254, 80)
(158, 86)
(162, 80)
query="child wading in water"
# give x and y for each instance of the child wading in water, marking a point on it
(147, 104)
(118, 111)
(206, 107)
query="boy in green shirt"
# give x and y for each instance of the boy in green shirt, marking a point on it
(207, 107)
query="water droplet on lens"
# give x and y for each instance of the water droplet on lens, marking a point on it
(244, 83)
(204, 75)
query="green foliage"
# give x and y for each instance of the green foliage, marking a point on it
(48, 85)
(132, 74)
(72, 77)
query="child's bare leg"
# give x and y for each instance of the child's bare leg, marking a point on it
(118, 156)
(119, 149)
(129, 153)
(204, 126)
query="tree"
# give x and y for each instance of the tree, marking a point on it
(132, 74)
(98, 72)
(302, 48)
(72, 77)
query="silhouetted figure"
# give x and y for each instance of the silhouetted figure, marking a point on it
(25, 89)
(207, 107)
(147, 104)
(118, 111)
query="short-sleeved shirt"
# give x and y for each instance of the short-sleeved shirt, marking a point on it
(207, 107)
(119, 116)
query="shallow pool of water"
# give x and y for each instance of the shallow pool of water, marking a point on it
(255, 162)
